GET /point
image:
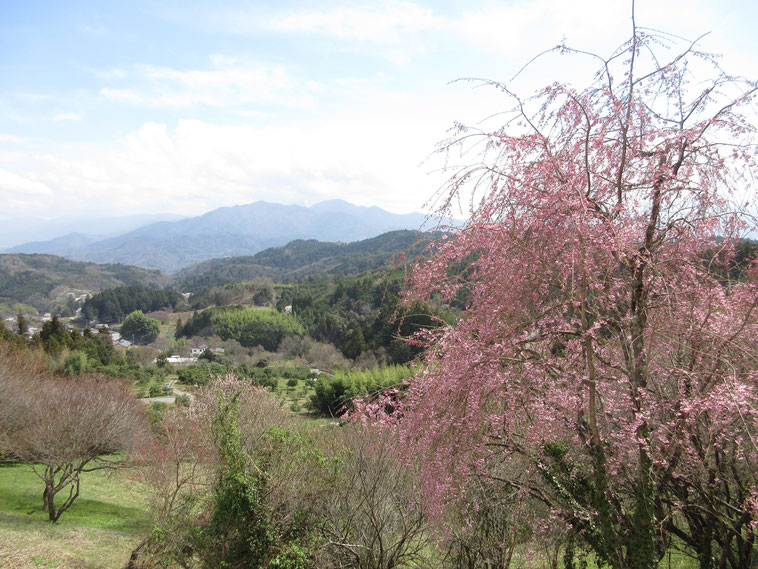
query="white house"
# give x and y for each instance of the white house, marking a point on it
(197, 350)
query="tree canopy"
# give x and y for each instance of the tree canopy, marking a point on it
(142, 328)
(112, 305)
(603, 375)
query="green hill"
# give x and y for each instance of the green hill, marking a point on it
(48, 283)
(304, 258)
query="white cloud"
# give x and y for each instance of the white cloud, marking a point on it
(13, 156)
(156, 86)
(195, 166)
(527, 27)
(123, 95)
(253, 114)
(221, 60)
(389, 22)
(67, 117)
(18, 188)
(34, 97)
(312, 136)
(391, 29)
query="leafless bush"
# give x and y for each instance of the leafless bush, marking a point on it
(179, 460)
(294, 346)
(18, 385)
(176, 467)
(63, 427)
(493, 523)
(374, 518)
(143, 355)
(367, 360)
(325, 357)
(180, 469)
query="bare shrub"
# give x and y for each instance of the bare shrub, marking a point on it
(187, 471)
(326, 357)
(367, 360)
(176, 468)
(374, 517)
(63, 427)
(294, 346)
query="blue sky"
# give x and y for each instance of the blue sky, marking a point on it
(116, 108)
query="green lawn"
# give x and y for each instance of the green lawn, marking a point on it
(108, 519)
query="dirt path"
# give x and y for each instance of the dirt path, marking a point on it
(176, 392)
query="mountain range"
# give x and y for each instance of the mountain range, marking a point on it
(227, 232)
(14, 232)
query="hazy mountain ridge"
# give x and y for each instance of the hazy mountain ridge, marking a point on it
(230, 231)
(56, 246)
(15, 233)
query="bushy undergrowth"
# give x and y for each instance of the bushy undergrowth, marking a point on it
(267, 376)
(334, 393)
(237, 481)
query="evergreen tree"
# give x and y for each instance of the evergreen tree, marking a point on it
(23, 325)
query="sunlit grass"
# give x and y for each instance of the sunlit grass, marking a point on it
(108, 519)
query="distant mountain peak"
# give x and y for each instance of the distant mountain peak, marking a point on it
(230, 231)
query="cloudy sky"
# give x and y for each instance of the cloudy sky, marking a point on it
(115, 108)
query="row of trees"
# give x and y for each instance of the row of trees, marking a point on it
(55, 338)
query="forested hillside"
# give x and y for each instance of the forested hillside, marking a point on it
(112, 305)
(358, 314)
(303, 258)
(42, 281)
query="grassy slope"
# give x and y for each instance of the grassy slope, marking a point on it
(100, 530)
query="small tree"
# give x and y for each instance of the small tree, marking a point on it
(62, 427)
(209, 356)
(354, 343)
(54, 336)
(374, 517)
(142, 328)
(22, 324)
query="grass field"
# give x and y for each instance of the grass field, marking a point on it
(108, 519)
